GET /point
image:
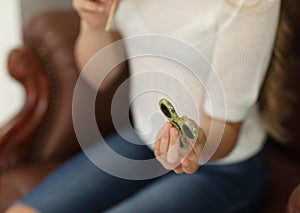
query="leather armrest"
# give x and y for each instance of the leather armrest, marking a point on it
(51, 36)
(294, 201)
(45, 66)
(16, 137)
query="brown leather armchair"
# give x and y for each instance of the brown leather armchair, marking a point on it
(41, 136)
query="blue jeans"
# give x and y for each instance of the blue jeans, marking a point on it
(80, 186)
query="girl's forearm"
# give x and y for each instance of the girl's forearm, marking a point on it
(89, 42)
(229, 136)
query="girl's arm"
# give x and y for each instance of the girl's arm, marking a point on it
(93, 37)
(229, 137)
(241, 56)
(167, 147)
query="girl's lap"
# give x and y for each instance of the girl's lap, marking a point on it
(80, 186)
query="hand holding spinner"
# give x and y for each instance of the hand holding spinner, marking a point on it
(187, 128)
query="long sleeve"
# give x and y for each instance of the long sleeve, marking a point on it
(241, 56)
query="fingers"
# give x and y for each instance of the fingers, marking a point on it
(174, 147)
(197, 147)
(93, 13)
(164, 143)
(187, 166)
(92, 6)
(179, 169)
(184, 117)
(168, 152)
(191, 162)
(192, 168)
(166, 147)
(200, 142)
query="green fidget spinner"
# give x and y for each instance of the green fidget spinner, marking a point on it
(187, 128)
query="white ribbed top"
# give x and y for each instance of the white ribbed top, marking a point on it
(235, 36)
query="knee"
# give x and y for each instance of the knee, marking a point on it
(19, 208)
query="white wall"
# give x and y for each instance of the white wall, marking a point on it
(13, 14)
(11, 93)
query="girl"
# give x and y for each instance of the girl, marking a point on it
(237, 38)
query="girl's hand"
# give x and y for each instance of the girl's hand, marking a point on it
(93, 12)
(168, 152)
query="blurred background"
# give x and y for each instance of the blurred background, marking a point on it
(15, 13)
(42, 135)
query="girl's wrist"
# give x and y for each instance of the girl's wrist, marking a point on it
(85, 26)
